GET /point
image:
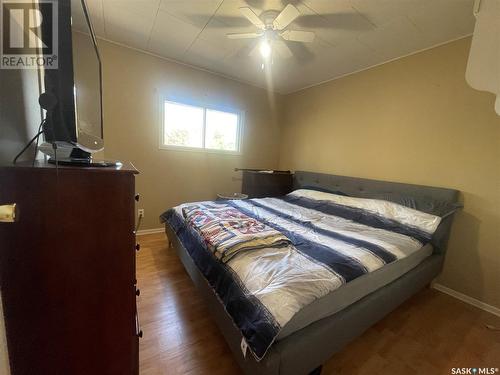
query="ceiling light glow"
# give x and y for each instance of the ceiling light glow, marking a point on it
(265, 49)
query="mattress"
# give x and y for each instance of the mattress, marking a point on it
(353, 291)
(338, 250)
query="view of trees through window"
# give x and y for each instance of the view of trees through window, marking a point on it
(198, 127)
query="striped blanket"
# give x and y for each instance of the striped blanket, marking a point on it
(333, 240)
(227, 231)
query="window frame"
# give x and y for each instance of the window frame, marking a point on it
(239, 132)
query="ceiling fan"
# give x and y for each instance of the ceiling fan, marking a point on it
(272, 31)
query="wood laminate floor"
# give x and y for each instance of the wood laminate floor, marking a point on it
(429, 334)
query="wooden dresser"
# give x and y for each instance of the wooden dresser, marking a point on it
(67, 270)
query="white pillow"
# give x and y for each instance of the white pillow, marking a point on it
(390, 210)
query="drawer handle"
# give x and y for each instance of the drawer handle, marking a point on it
(137, 247)
(138, 225)
(137, 292)
(138, 330)
(137, 197)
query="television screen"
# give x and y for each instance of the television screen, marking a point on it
(86, 74)
(75, 119)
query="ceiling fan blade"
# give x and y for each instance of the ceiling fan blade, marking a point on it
(298, 36)
(243, 35)
(282, 49)
(286, 17)
(252, 17)
(339, 21)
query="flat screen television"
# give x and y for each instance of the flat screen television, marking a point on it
(72, 93)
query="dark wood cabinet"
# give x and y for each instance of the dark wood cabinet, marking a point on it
(67, 270)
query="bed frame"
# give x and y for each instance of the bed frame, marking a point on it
(307, 349)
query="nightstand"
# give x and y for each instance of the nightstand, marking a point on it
(259, 184)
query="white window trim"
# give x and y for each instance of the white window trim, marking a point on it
(239, 134)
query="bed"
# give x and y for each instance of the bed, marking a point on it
(294, 330)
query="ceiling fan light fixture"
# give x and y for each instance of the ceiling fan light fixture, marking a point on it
(272, 33)
(265, 49)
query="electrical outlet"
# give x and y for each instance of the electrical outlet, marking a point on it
(140, 212)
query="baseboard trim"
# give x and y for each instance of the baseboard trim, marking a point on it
(150, 231)
(465, 298)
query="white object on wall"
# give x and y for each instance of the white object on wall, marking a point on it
(483, 67)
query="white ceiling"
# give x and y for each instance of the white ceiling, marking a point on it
(350, 34)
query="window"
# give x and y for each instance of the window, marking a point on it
(192, 127)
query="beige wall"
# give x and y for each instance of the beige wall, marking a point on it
(414, 120)
(133, 83)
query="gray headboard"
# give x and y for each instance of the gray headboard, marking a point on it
(425, 198)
